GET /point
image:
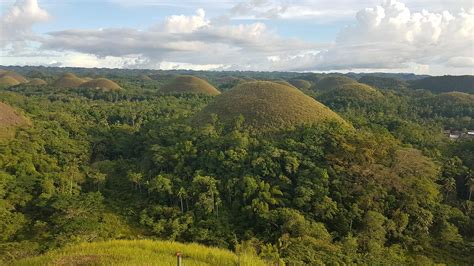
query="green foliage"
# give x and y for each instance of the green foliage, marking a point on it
(95, 166)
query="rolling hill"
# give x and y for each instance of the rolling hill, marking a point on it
(10, 119)
(189, 84)
(101, 83)
(333, 82)
(445, 84)
(140, 252)
(300, 83)
(267, 106)
(68, 80)
(37, 82)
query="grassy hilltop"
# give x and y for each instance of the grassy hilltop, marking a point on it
(189, 84)
(140, 252)
(267, 106)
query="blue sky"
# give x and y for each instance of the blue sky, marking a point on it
(421, 36)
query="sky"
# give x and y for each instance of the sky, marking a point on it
(433, 37)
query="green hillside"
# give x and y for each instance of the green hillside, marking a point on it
(445, 84)
(267, 106)
(189, 84)
(300, 83)
(332, 82)
(140, 252)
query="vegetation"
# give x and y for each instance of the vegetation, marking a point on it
(301, 83)
(141, 252)
(189, 84)
(95, 173)
(266, 106)
(383, 82)
(333, 82)
(445, 84)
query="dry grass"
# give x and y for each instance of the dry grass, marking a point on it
(101, 83)
(189, 84)
(144, 78)
(140, 252)
(14, 75)
(7, 81)
(267, 106)
(68, 80)
(10, 120)
(37, 82)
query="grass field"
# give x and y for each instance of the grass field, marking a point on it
(140, 252)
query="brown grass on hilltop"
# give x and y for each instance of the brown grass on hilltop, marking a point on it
(37, 82)
(189, 84)
(10, 119)
(267, 106)
(68, 80)
(8, 75)
(7, 81)
(101, 83)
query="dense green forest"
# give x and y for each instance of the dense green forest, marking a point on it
(386, 186)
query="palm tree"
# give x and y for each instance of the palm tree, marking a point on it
(182, 194)
(449, 186)
(470, 186)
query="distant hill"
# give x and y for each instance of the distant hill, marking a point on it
(383, 82)
(10, 78)
(68, 80)
(332, 82)
(445, 84)
(101, 83)
(267, 106)
(189, 84)
(37, 82)
(10, 119)
(350, 93)
(300, 83)
(140, 252)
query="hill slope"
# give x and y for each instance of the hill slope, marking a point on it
(101, 83)
(10, 119)
(267, 106)
(14, 75)
(68, 80)
(445, 84)
(189, 84)
(140, 252)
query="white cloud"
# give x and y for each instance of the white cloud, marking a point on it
(391, 36)
(16, 23)
(186, 24)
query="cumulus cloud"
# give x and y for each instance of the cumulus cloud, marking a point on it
(17, 22)
(191, 40)
(391, 36)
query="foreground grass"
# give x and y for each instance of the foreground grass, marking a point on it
(140, 252)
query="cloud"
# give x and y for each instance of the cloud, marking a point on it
(185, 24)
(190, 40)
(391, 36)
(17, 22)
